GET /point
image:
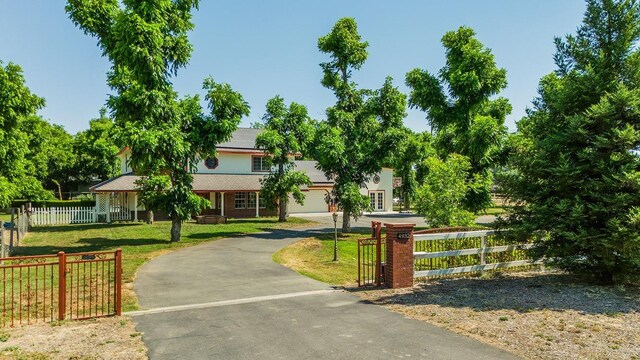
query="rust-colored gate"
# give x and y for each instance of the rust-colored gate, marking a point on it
(63, 286)
(371, 257)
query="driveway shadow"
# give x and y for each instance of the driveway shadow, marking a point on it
(522, 293)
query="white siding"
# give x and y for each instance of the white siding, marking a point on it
(385, 184)
(229, 164)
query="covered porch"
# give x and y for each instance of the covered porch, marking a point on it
(232, 196)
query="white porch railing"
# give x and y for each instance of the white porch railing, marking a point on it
(433, 253)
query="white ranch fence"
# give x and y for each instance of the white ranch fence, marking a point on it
(443, 254)
(62, 215)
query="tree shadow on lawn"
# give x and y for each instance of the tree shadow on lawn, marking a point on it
(522, 293)
(80, 227)
(87, 245)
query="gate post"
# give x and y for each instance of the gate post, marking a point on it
(62, 285)
(118, 279)
(399, 255)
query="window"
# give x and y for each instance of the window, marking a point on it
(251, 202)
(260, 163)
(241, 200)
(211, 162)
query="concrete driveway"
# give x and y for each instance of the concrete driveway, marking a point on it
(228, 300)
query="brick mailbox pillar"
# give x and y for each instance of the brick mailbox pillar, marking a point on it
(398, 269)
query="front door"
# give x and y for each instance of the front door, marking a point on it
(377, 200)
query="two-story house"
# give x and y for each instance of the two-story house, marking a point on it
(231, 181)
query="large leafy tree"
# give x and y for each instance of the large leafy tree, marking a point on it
(286, 130)
(361, 128)
(51, 154)
(147, 43)
(17, 103)
(95, 149)
(409, 162)
(575, 171)
(460, 110)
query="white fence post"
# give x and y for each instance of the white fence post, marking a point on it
(483, 246)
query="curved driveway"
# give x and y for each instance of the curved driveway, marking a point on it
(228, 300)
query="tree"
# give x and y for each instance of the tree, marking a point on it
(95, 150)
(460, 112)
(441, 197)
(147, 44)
(575, 171)
(16, 104)
(51, 155)
(286, 131)
(409, 162)
(361, 128)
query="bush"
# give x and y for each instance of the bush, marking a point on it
(55, 203)
(441, 198)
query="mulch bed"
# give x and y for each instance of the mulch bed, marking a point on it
(536, 315)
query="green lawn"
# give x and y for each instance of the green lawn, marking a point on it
(139, 242)
(313, 257)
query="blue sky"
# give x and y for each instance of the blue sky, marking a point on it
(264, 48)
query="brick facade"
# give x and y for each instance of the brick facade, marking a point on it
(231, 211)
(399, 255)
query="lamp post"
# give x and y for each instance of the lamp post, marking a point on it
(335, 236)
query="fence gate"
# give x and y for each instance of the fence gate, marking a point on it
(63, 286)
(371, 258)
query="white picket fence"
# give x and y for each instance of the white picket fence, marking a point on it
(62, 215)
(482, 251)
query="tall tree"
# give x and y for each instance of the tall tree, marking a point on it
(409, 162)
(50, 156)
(287, 129)
(575, 172)
(460, 112)
(95, 150)
(147, 44)
(361, 128)
(17, 103)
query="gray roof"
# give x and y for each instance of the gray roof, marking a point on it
(310, 167)
(201, 182)
(215, 182)
(242, 138)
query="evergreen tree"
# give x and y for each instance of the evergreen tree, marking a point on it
(575, 171)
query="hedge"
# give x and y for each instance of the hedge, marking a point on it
(55, 203)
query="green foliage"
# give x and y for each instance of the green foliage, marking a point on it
(95, 150)
(459, 108)
(55, 203)
(575, 169)
(51, 156)
(167, 136)
(441, 197)
(361, 128)
(287, 130)
(17, 104)
(409, 161)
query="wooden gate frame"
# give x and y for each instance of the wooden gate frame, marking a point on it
(375, 239)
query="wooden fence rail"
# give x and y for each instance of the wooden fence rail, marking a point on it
(441, 254)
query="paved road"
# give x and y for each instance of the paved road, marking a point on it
(228, 300)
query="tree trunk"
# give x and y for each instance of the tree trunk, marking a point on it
(346, 221)
(149, 217)
(407, 206)
(282, 215)
(176, 227)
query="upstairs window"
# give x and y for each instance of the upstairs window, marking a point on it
(261, 163)
(211, 162)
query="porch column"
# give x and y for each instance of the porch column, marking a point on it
(109, 208)
(135, 207)
(222, 203)
(257, 204)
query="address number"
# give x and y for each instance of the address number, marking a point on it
(403, 236)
